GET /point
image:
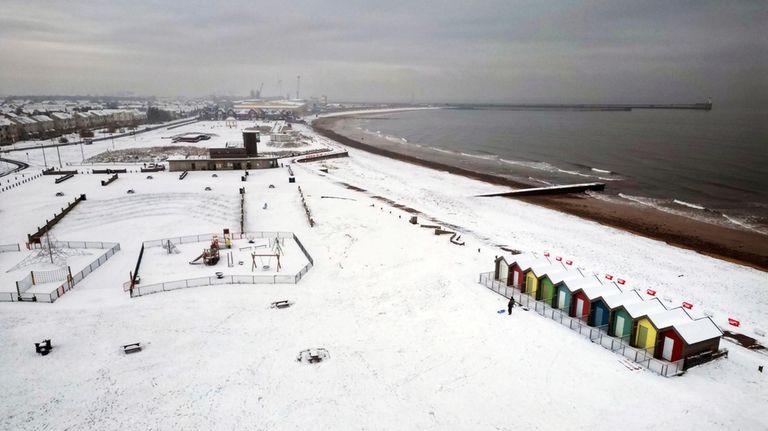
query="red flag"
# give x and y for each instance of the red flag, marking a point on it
(733, 322)
(687, 305)
(620, 281)
(569, 262)
(609, 276)
(546, 253)
(558, 258)
(651, 292)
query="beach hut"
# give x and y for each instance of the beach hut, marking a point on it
(684, 340)
(624, 317)
(647, 328)
(534, 274)
(548, 284)
(568, 289)
(596, 312)
(519, 266)
(603, 308)
(501, 271)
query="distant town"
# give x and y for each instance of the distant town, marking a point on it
(55, 118)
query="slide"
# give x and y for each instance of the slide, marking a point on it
(195, 262)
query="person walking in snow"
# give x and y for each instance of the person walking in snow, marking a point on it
(510, 305)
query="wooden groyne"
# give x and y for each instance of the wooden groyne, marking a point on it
(553, 190)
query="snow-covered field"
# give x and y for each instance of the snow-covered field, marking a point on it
(414, 341)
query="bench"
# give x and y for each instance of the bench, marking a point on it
(44, 347)
(131, 348)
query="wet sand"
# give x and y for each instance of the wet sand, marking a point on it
(739, 246)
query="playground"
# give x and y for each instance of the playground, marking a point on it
(46, 272)
(260, 255)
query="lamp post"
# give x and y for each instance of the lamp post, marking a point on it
(42, 148)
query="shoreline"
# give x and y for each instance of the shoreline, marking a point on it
(737, 246)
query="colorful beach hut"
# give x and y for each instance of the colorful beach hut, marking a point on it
(548, 285)
(581, 304)
(604, 306)
(501, 270)
(684, 340)
(534, 274)
(567, 289)
(598, 314)
(624, 317)
(519, 266)
(647, 328)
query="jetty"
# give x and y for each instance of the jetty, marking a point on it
(706, 106)
(551, 190)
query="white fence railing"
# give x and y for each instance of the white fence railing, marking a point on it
(112, 248)
(598, 335)
(9, 247)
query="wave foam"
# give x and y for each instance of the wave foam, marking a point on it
(689, 205)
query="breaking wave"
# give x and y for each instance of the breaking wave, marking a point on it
(689, 205)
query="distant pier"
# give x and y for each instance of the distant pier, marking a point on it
(553, 190)
(707, 106)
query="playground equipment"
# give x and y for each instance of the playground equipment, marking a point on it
(210, 255)
(265, 266)
(227, 238)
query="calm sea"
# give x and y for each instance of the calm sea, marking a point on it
(707, 165)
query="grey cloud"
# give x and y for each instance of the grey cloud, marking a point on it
(391, 51)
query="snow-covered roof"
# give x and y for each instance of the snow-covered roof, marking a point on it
(41, 118)
(639, 309)
(665, 319)
(6, 122)
(545, 267)
(526, 261)
(559, 277)
(595, 291)
(61, 116)
(624, 298)
(698, 330)
(581, 283)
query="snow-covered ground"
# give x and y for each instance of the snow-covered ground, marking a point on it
(414, 341)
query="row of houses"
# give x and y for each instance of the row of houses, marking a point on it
(15, 127)
(644, 323)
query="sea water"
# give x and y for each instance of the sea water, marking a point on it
(710, 165)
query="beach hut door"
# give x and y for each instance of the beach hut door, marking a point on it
(561, 300)
(619, 331)
(503, 271)
(515, 278)
(669, 344)
(579, 307)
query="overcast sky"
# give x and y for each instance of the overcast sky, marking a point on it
(392, 50)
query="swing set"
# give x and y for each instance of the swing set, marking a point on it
(265, 266)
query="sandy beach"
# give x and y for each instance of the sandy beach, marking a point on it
(733, 245)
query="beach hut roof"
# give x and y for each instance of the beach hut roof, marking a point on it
(668, 318)
(527, 261)
(595, 291)
(543, 268)
(698, 330)
(581, 283)
(559, 277)
(623, 298)
(643, 308)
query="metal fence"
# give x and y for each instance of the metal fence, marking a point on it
(112, 248)
(139, 290)
(598, 335)
(9, 247)
(208, 236)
